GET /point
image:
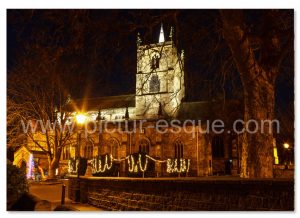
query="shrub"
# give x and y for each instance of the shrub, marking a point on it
(16, 184)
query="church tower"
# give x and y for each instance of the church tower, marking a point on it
(159, 78)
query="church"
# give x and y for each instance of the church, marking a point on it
(160, 91)
(142, 150)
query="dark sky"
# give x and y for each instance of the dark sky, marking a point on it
(99, 48)
(107, 40)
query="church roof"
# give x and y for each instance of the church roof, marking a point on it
(194, 110)
(211, 110)
(95, 104)
(30, 151)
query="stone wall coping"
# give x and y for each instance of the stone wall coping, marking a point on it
(215, 180)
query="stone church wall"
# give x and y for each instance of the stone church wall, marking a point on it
(161, 146)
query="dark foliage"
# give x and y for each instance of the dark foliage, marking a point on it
(17, 184)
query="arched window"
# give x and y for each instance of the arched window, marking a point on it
(88, 150)
(66, 152)
(178, 149)
(113, 145)
(144, 146)
(154, 85)
(155, 62)
(217, 147)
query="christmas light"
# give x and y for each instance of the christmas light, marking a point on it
(172, 165)
(131, 169)
(30, 167)
(97, 168)
(134, 167)
(140, 163)
(159, 161)
(71, 167)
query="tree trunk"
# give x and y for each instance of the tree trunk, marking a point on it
(53, 165)
(258, 87)
(42, 172)
(257, 147)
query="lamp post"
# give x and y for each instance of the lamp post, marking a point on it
(286, 147)
(80, 120)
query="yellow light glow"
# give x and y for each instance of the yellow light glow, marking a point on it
(286, 145)
(276, 160)
(80, 118)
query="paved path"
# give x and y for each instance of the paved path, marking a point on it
(52, 193)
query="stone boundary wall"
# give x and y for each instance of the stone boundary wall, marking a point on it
(187, 194)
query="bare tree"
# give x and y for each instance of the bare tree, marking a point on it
(38, 106)
(42, 78)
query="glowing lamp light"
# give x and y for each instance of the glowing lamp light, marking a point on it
(286, 145)
(80, 118)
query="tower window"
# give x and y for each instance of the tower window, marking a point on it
(217, 147)
(155, 62)
(154, 84)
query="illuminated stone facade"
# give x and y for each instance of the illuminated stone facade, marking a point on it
(159, 80)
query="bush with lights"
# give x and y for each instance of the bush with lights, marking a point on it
(140, 165)
(178, 166)
(104, 165)
(74, 166)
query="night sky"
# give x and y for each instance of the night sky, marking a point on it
(99, 48)
(112, 35)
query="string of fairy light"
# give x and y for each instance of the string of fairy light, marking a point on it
(175, 165)
(73, 168)
(172, 165)
(133, 167)
(97, 168)
(29, 173)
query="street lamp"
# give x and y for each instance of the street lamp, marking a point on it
(80, 120)
(286, 146)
